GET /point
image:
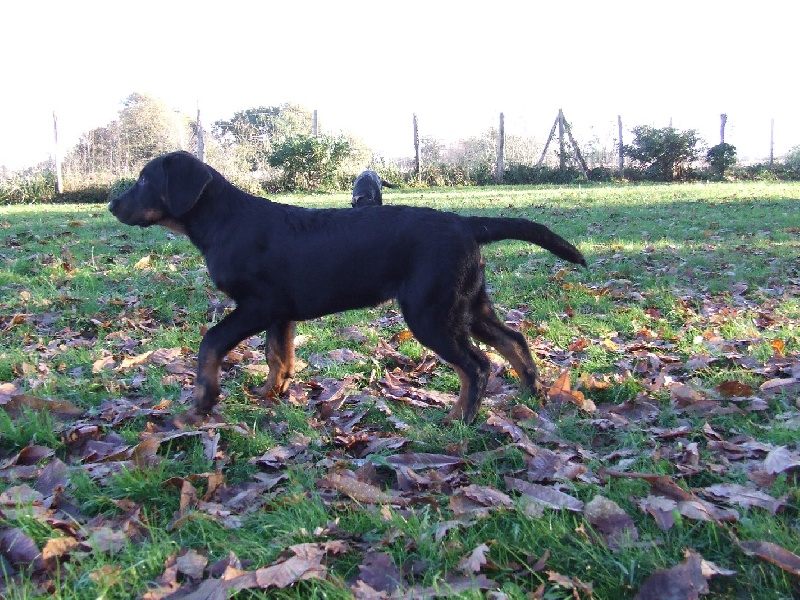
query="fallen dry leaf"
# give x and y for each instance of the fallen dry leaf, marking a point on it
(685, 581)
(613, 523)
(360, 491)
(474, 561)
(379, 572)
(561, 392)
(772, 553)
(544, 495)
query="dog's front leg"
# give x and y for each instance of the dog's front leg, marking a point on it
(217, 342)
(280, 357)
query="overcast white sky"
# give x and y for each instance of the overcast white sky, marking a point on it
(368, 66)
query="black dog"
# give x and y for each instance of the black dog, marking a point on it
(284, 263)
(367, 189)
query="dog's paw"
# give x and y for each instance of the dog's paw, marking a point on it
(193, 419)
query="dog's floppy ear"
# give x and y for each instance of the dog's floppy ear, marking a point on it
(186, 178)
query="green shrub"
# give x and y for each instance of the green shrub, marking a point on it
(26, 189)
(120, 186)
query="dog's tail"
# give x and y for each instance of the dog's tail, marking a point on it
(387, 184)
(494, 229)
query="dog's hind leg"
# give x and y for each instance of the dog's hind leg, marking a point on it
(280, 357)
(451, 341)
(217, 342)
(512, 345)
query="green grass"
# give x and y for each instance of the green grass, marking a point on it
(677, 273)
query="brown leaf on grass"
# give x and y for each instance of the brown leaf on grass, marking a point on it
(106, 539)
(421, 460)
(474, 561)
(661, 509)
(59, 408)
(682, 395)
(335, 357)
(57, 550)
(144, 454)
(305, 564)
(360, 491)
(487, 496)
(277, 457)
(191, 564)
(570, 583)
(20, 550)
(452, 586)
(743, 496)
(397, 387)
(544, 495)
(167, 582)
(685, 581)
(613, 523)
(780, 386)
(379, 572)
(734, 389)
(466, 508)
(781, 459)
(561, 392)
(20, 494)
(54, 476)
(773, 553)
(104, 363)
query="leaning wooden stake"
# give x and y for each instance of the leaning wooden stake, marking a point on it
(547, 143)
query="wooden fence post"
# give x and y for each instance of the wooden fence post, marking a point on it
(621, 151)
(501, 140)
(201, 149)
(771, 141)
(561, 161)
(417, 164)
(57, 157)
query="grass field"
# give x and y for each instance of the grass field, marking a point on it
(666, 458)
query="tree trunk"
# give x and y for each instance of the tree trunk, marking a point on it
(723, 119)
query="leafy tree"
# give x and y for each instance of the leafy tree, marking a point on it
(308, 162)
(721, 157)
(149, 128)
(254, 133)
(96, 151)
(793, 158)
(666, 153)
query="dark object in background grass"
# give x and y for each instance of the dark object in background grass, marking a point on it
(367, 189)
(284, 263)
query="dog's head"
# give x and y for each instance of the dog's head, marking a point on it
(167, 188)
(367, 190)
